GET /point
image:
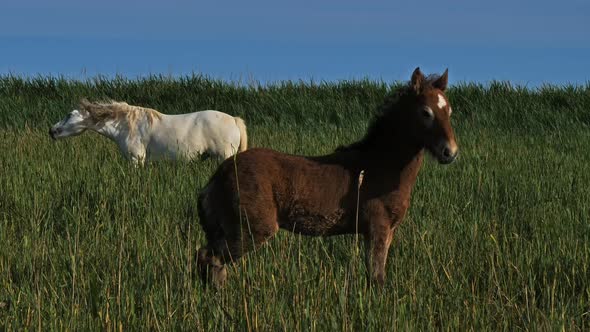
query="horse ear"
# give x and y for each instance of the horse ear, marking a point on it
(417, 80)
(441, 82)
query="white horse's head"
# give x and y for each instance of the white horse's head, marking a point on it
(75, 123)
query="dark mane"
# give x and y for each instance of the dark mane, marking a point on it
(387, 110)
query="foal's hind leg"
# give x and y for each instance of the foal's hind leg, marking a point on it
(211, 269)
(240, 235)
(251, 229)
(209, 264)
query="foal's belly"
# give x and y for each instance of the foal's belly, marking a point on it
(305, 222)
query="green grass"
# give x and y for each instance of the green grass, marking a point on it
(498, 240)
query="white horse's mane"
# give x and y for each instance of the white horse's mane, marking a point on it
(118, 110)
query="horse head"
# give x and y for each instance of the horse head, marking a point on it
(431, 111)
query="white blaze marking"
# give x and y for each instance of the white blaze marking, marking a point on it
(441, 101)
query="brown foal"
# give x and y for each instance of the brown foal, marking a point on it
(259, 191)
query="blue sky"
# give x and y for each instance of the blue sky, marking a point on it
(526, 42)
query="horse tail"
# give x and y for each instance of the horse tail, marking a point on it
(243, 135)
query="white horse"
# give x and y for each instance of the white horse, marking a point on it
(144, 134)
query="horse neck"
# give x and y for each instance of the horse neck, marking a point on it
(114, 129)
(398, 144)
(397, 155)
(389, 148)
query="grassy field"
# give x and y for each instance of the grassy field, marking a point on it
(498, 240)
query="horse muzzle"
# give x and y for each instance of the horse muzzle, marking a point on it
(445, 152)
(447, 159)
(52, 133)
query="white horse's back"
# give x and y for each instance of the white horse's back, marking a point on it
(193, 134)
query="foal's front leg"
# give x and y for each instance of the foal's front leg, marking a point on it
(377, 242)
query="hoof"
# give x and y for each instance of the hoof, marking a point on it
(377, 280)
(218, 276)
(211, 269)
(5, 305)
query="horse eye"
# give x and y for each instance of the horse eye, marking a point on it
(426, 114)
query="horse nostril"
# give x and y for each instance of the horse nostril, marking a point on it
(447, 152)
